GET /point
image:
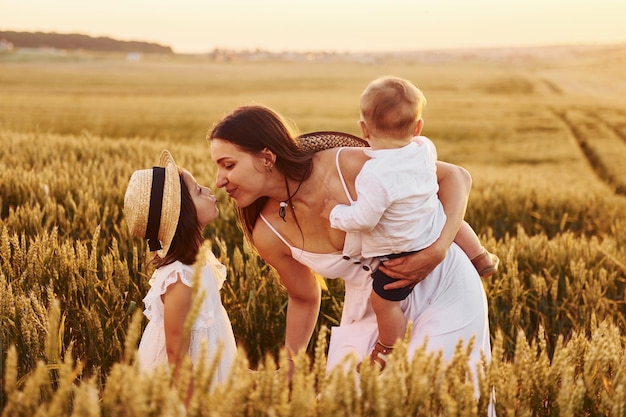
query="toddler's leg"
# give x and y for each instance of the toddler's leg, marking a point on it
(468, 241)
(391, 320)
(485, 263)
(389, 315)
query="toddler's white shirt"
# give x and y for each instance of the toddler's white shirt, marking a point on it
(397, 207)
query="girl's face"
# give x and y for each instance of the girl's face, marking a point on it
(240, 173)
(203, 199)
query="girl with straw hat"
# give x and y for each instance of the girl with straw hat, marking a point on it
(166, 206)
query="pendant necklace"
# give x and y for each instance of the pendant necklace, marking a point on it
(283, 204)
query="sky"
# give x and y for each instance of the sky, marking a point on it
(198, 26)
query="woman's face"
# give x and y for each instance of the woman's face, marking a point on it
(203, 199)
(240, 173)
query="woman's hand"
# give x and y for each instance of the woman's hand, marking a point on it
(412, 269)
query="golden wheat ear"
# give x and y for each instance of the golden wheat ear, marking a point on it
(318, 141)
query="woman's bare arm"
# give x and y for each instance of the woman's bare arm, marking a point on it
(302, 286)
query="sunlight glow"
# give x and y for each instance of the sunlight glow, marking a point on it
(192, 26)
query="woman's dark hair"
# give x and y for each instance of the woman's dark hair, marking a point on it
(252, 129)
(188, 236)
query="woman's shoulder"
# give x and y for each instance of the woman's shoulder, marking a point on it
(266, 238)
(350, 160)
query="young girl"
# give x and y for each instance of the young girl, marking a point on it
(166, 205)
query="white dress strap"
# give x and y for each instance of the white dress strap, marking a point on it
(275, 231)
(343, 182)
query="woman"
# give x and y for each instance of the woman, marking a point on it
(280, 190)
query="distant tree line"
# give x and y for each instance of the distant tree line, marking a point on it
(77, 41)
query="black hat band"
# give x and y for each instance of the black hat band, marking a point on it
(156, 206)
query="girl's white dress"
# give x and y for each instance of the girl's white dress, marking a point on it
(212, 324)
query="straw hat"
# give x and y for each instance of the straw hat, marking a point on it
(318, 141)
(152, 204)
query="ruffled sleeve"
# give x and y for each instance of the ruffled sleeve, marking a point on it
(183, 275)
(161, 279)
(212, 277)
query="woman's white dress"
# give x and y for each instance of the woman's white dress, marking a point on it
(212, 325)
(448, 306)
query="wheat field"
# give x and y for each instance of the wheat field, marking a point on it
(542, 131)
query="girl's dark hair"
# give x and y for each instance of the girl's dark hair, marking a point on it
(252, 129)
(188, 237)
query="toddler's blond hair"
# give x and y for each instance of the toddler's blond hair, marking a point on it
(391, 106)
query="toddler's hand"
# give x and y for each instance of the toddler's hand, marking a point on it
(329, 204)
